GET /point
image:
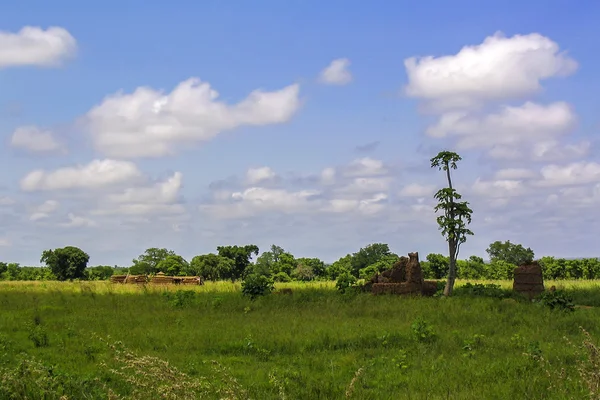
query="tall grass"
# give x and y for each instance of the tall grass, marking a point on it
(113, 341)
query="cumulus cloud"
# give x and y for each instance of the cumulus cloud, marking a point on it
(577, 173)
(75, 221)
(500, 68)
(257, 175)
(510, 126)
(417, 190)
(516, 174)
(36, 46)
(336, 73)
(96, 174)
(150, 123)
(44, 210)
(159, 198)
(35, 140)
(366, 167)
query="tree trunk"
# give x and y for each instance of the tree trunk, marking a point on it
(452, 268)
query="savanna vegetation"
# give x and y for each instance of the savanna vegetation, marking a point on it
(272, 325)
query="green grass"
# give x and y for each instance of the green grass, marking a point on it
(309, 345)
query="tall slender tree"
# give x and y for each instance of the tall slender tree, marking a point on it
(455, 214)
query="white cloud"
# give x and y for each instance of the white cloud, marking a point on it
(44, 210)
(511, 126)
(328, 176)
(160, 198)
(35, 46)
(500, 68)
(149, 123)
(553, 150)
(577, 173)
(5, 242)
(35, 140)
(6, 201)
(366, 167)
(515, 174)
(417, 190)
(336, 73)
(96, 174)
(498, 188)
(78, 222)
(365, 185)
(257, 175)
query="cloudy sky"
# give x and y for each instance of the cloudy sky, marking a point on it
(128, 125)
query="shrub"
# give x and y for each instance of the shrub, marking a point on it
(422, 330)
(281, 277)
(345, 281)
(180, 298)
(481, 290)
(557, 300)
(255, 285)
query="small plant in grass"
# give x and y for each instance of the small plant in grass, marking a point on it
(423, 331)
(345, 281)
(255, 285)
(557, 300)
(38, 336)
(180, 298)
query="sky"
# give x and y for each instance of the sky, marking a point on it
(309, 125)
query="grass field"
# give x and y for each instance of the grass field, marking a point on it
(59, 338)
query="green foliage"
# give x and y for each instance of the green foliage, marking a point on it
(172, 265)
(317, 266)
(147, 263)
(66, 263)
(240, 255)
(99, 273)
(438, 265)
(38, 335)
(255, 285)
(340, 267)
(423, 331)
(345, 281)
(281, 277)
(211, 267)
(455, 214)
(509, 252)
(483, 290)
(180, 298)
(277, 260)
(368, 255)
(304, 273)
(557, 300)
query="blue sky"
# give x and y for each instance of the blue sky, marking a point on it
(319, 163)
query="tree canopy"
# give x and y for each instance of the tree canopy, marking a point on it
(510, 252)
(66, 263)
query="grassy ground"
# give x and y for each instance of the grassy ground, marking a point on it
(314, 344)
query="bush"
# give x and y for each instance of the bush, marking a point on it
(422, 330)
(180, 298)
(255, 285)
(557, 300)
(481, 290)
(345, 281)
(281, 277)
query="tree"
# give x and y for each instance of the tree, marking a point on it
(367, 256)
(211, 267)
(147, 263)
(172, 265)
(277, 260)
(510, 252)
(66, 263)
(438, 265)
(3, 268)
(340, 267)
(455, 214)
(317, 266)
(240, 255)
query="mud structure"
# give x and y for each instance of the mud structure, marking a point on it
(529, 280)
(404, 278)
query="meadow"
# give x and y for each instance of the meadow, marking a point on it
(92, 340)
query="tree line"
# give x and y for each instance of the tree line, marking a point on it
(234, 263)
